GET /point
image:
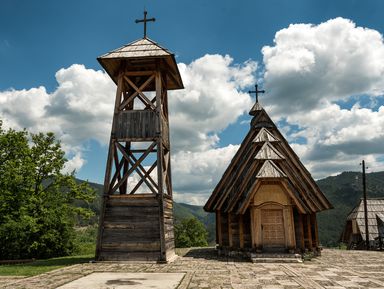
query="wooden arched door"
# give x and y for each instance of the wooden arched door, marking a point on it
(272, 228)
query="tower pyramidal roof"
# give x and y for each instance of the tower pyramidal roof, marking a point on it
(265, 156)
(142, 54)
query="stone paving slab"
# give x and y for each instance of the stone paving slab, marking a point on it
(127, 281)
(203, 269)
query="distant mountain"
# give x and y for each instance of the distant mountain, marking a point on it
(343, 191)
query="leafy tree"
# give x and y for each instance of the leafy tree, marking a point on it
(37, 215)
(190, 233)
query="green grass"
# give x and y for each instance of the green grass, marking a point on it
(42, 266)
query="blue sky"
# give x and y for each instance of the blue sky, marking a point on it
(324, 81)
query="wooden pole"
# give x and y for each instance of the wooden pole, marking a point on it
(160, 177)
(365, 208)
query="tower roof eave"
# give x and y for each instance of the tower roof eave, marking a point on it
(141, 53)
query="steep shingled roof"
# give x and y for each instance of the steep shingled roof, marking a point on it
(264, 154)
(375, 210)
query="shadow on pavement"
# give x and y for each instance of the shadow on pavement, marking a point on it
(210, 253)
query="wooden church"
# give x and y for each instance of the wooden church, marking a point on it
(136, 221)
(266, 200)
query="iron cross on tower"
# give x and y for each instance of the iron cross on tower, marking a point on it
(256, 91)
(145, 20)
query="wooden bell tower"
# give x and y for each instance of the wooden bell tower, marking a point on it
(136, 221)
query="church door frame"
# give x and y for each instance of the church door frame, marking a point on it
(287, 222)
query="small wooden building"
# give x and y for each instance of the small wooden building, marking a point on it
(354, 231)
(266, 200)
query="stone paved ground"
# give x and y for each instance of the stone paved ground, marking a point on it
(334, 269)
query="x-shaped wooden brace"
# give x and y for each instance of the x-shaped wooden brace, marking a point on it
(140, 170)
(134, 166)
(138, 92)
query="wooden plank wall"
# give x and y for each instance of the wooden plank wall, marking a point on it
(230, 234)
(131, 228)
(137, 124)
(168, 227)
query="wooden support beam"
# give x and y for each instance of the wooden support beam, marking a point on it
(309, 231)
(139, 73)
(118, 166)
(141, 151)
(230, 237)
(301, 226)
(219, 237)
(116, 174)
(160, 179)
(258, 229)
(124, 186)
(315, 230)
(241, 231)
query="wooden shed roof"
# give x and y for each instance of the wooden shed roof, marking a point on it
(140, 55)
(375, 210)
(265, 156)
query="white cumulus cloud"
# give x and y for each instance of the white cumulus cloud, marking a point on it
(78, 110)
(212, 99)
(330, 61)
(311, 72)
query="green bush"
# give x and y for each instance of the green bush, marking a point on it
(85, 242)
(190, 233)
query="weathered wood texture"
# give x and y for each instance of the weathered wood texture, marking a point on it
(165, 130)
(168, 227)
(131, 229)
(137, 124)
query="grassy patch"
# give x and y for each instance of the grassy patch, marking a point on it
(42, 266)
